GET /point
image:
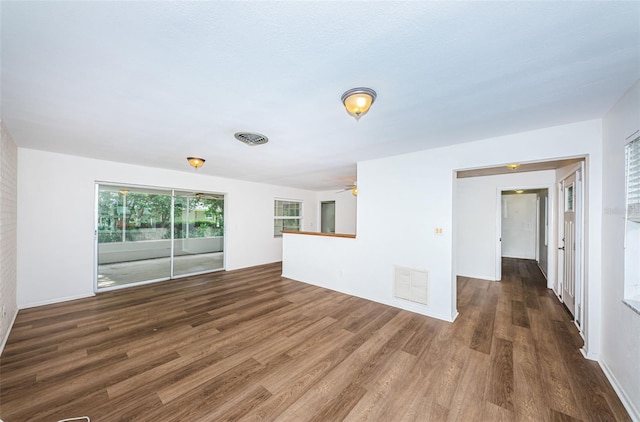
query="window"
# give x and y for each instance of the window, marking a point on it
(632, 230)
(287, 215)
(568, 206)
(632, 158)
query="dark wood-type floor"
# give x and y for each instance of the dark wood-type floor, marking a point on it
(250, 345)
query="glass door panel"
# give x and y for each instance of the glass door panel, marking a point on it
(134, 235)
(198, 233)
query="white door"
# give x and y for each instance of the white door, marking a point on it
(519, 224)
(569, 244)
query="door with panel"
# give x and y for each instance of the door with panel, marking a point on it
(569, 244)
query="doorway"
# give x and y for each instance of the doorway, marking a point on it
(328, 216)
(144, 234)
(523, 226)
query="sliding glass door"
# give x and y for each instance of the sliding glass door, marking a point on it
(147, 234)
(198, 232)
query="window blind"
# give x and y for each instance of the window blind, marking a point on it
(632, 165)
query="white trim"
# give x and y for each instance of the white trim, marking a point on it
(6, 335)
(289, 217)
(56, 300)
(580, 264)
(626, 402)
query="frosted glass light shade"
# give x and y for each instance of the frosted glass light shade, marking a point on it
(195, 161)
(357, 101)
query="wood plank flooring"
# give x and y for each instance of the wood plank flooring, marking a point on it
(250, 345)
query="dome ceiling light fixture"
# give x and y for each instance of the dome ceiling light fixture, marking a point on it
(196, 162)
(357, 101)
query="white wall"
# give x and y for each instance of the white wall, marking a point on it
(419, 191)
(8, 224)
(544, 227)
(519, 223)
(620, 354)
(476, 217)
(56, 198)
(345, 210)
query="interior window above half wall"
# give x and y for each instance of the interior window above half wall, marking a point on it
(345, 210)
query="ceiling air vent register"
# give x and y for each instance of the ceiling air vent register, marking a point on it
(251, 139)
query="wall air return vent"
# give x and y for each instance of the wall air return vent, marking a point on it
(251, 139)
(411, 285)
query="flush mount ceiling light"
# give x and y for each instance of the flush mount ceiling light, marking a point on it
(513, 166)
(357, 101)
(196, 162)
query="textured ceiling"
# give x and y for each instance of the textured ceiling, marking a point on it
(154, 82)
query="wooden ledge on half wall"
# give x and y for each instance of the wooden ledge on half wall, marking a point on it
(349, 236)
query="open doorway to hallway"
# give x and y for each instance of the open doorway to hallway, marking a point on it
(478, 220)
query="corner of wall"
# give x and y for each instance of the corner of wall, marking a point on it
(8, 232)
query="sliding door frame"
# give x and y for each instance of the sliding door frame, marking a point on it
(172, 276)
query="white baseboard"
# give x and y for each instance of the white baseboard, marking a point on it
(586, 354)
(52, 301)
(6, 335)
(479, 277)
(626, 402)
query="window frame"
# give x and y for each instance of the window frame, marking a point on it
(632, 224)
(277, 218)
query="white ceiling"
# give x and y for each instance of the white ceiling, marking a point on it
(154, 82)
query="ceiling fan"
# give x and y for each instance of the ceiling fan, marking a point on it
(352, 187)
